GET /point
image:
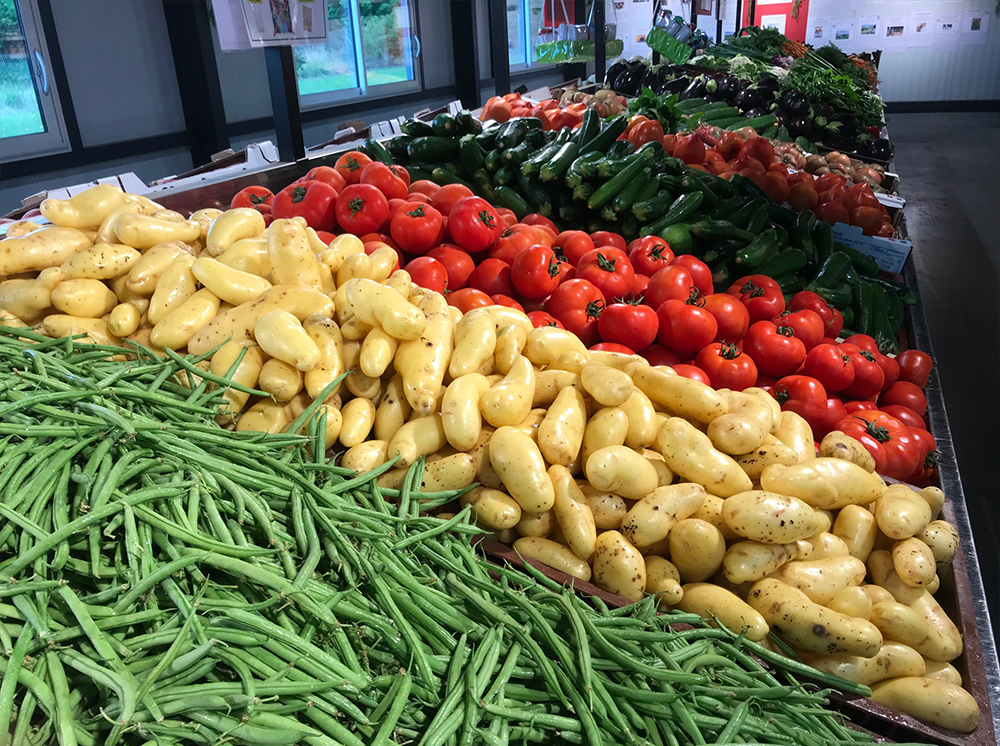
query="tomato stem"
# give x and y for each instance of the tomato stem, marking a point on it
(608, 265)
(298, 194)
(878, 432)
(357, 205)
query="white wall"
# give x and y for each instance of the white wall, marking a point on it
(966, 73)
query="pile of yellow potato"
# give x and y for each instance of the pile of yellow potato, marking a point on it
(597, 464)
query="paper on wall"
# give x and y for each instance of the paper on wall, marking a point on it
(868, 30)
(776, 21)
(921, 30)
(946, 33)
(818, 32)
(843, 34)
(975, 26)
(895, 35)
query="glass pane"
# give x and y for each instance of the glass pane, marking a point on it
(330, 67)
(516, 53)
(22, 111)
(536, 20)
(386, 39)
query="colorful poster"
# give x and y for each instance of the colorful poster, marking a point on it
(921, 30)
(975, 26)
(894, 37)
(817, 32)
(946, 33)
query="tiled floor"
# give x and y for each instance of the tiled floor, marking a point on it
(949, 170)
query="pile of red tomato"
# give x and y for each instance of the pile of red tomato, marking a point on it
(635, 298)
(725, 153)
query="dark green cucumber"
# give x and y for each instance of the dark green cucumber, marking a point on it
(790, 283)
(560, 161)
(729, 122)
(822, 236)
(611, 131)
(504, 176)
(433, 148)
(716, 229)
(582, 192)
(760, 250)
(583, 167)
(624, 200)
(653, 208)
(802, 233)
(397, 146)
(514, 157)
(904, 293)
(492, 160)
(692, 184)
(539, 159)
(770, 132)
(648, 191)
(377, 152)
(712, 116)
(692, 103)
(415, 128)
(607, 191)
(516, 130)
(782, 215)
(680, 210)
(759, 123)
(444, 125)
(472, 154)
(509, 198)
(758, 220)
(864, 263)
(447, 176)
(589, 129)
(620, 149)
(484, 187)
(468, 124)
(784, 262)
(535, 194)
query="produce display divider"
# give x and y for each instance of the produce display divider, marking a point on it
(963, 597)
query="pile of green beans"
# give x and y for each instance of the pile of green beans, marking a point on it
(164, 580)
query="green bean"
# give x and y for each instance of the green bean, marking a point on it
(8, 683)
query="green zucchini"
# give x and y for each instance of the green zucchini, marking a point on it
(626, 197)
(472, 155)
(692, 103)
(539, 159)
(535, 194)
(715, 229)
(509, 198)
(517, 155)
(714, 115)
(611, 131)
(588, 130)
(433, 148)
(620, 149)
(759, 123)
(444, 125)
(468, 124)
(446, 176)
(492, 160)
(397, 146)
(678, 237)
(515, 130)
(560, 161)
(484, 187)
(504, 176)
(680, 210)
(583, 167)
(416, 128)
(784, 262)
(377, 152)
(692, 184)
(758, 220)
(607, 191)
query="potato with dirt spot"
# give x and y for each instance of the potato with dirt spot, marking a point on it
(618, 566)
(690, 454)
(609, 509)
(822, 579)
(749, 561)
(836, 444)
(651, 519)
(770, 518)
(810, 627)
(942, 538)
(825, 483)
(936, 702)
(773, 451)
(857, 528)
(519, 464)
(893, 660)
(492, 508)
(914, 562)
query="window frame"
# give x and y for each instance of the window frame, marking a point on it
(56, 137)
(317, 101)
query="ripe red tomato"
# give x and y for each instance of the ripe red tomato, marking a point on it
(505, 300)
(326, 174)
(252, 196)
(383, 178)
(835, 412)
(689, 148)
(808, 300)
(514, 240)
(806, 324)
(803, 395)
(632, 325)
(905, 394)
(861, 195)
(492, 276)
(868, 376)
(859, 406)
(890, 369)
(657, 354)
(831, 367)
(448, 196)
(726, 366)
(535, 272)
(612, 347)
(673, 282)
(693, 372)
(361, 208)
(868, 219)
(701, 275)
(607, 238)
(428, 273)
(914, 366)
(803, 197)
(776, 186)
(927, 456)
(649, 254)
(833, 212)
(761, 295)
(887, 439)
(608, 269)
(729, 145)
(759, 149)
(577, 304)
(425, 187)
(536, 219)
(417, 230)
(905, 415)
(350, 165)
(474, 224)
(731, 316)
(458, 263)
(467, 298)
(775, 349)
(571, 246)
(315, 201)
(826, 181)
(639, 285)
(685, 327)
(540, 319)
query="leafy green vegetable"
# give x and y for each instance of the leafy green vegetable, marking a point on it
(835, 89)
(766, 41)
(664, 108)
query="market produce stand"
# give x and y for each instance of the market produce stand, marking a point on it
(961, 591)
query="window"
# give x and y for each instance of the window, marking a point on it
(31, 124)
(371, 49)
(531, 22)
